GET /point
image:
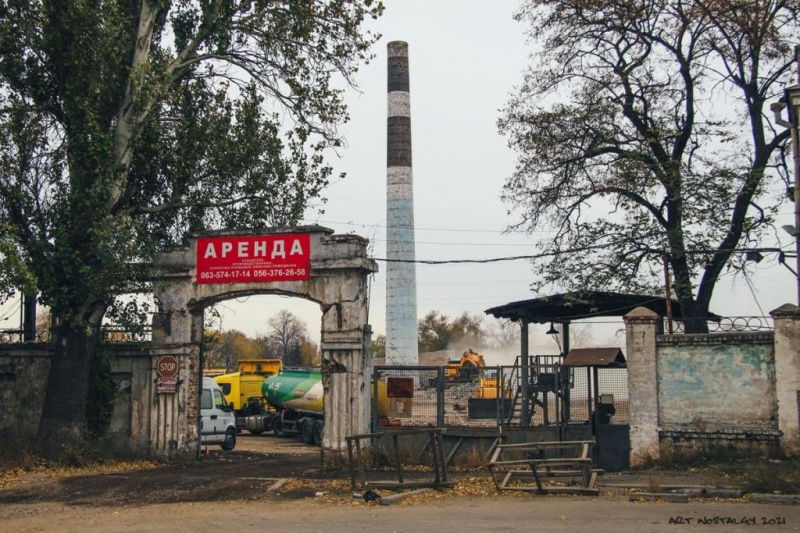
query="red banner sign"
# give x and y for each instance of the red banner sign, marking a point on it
(254, 258)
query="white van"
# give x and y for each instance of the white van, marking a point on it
(217, 421)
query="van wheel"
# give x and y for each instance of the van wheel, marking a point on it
(317, 432)
(230, 440)
(277, 427)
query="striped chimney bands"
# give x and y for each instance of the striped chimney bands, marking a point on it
(401, 276)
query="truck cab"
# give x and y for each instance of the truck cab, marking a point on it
(217, 421)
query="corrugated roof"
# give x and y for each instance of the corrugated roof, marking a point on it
(595, 357)
(581, 305)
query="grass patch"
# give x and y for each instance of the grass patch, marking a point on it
(753, 475)
(17, 461)
(765, 476)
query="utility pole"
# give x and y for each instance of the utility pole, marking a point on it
(791, 101)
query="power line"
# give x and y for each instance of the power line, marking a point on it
(564, 252)
(752, 291)
(14, 309)
(455, 230)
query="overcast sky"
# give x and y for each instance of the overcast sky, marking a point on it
(466, 57)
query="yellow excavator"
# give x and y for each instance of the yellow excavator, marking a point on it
(466, 369)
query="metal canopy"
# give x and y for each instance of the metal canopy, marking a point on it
(596, 357)
(580, 305)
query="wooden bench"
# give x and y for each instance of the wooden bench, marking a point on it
(555, 467)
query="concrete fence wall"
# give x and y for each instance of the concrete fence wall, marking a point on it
(23, 377)
(737, 393)
(732, 393)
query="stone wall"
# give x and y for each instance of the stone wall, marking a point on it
(721, 381)
(23, 377)
(730, 393)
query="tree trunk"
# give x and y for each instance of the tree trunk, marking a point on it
(62, 427)
(694, 314)
(695, 318)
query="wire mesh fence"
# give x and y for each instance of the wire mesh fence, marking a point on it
(493, 396)
(407, 396)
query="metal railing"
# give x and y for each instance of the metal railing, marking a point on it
(734, 324)
(111, 334)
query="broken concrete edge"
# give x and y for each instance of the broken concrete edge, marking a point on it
(683, 496)
(659, 496)
(391, 499)
(691, 491)
(278, 484)
(775, 498)
(715, 493)
(394, 498)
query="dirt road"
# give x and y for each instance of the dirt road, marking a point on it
(270, 484)
(540, 514)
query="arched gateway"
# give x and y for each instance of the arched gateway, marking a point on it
(306, 262)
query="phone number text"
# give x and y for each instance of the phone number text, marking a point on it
(242, 274)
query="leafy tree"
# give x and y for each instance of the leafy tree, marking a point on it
(125, 124)
(287, 334)
(378, 347)
(309, 354)
(644, 135)
(224, 349)
(439, 332)
(265, 348)
(43, 324)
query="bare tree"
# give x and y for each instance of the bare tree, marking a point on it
(288, 334)
(502, 333)
(645, 137)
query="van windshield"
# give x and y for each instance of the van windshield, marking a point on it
(219, 399)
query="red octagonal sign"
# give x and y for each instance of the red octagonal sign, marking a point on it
(167, 367)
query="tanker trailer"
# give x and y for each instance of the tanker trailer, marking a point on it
(242, 390)
(297, 396)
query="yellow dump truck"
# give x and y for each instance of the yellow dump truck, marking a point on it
(242, 389)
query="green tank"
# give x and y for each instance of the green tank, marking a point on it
(297, 390)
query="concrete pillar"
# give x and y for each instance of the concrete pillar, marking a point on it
(401, 280)
(641, 325)
(346, 371)
(787, 375)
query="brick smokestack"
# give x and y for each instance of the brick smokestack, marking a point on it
(401, 275)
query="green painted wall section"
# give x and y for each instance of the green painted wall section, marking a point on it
(722, 385)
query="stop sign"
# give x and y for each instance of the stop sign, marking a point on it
(167, 367)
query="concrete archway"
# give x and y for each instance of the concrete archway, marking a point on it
(335, 276)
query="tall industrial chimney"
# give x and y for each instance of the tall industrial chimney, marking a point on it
(401, 276)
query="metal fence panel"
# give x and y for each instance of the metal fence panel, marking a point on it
(491, 397)
(406, 396)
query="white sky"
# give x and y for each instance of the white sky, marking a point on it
(466, 57)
